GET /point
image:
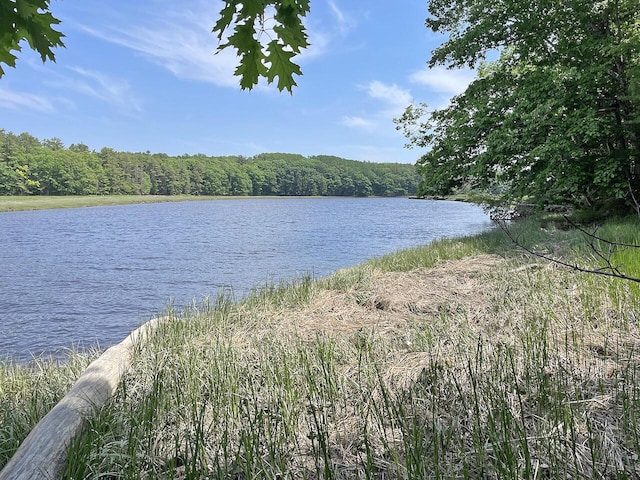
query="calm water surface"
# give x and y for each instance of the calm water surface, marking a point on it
(77, 277)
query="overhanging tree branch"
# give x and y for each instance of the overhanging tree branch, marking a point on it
(608, 270)
(31, 21)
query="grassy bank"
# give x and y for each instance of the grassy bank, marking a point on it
(461, 359)
(21, 203)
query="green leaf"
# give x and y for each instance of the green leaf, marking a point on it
(296, 40)
(226, 14)
(249, 19)
(25, 8)
(7, 57)
(243, 39)
(253, 8)
(251, 67)
(300, 6)
(291, 32)
(281, 66)
(28, 20)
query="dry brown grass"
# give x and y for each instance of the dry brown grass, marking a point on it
(391, 302)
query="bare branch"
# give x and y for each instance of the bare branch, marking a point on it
(608, 270)
(600, 239)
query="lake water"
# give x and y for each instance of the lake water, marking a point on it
(80, 277)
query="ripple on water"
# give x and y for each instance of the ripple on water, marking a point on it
(81, 276)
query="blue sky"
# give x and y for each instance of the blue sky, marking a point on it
(142, 75)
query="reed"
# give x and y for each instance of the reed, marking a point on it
(28, 392)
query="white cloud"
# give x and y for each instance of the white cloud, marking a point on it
(358, 122)
(20, 101)
(340, 17)
(319, 45)
(111, 90)
(393, 101)
(390, 94)
(344, 23)
(179, 41)
(442, 80)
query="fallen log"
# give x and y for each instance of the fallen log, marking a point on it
(43, 454)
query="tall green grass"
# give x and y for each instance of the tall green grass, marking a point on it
(27, 393)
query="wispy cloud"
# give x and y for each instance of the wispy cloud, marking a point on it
(443, 80)
(326, 27)
(20, 101)
(392, 95)
(358, 122)
(392, 100)
(343, 22)
(179, 41)
(114, 91)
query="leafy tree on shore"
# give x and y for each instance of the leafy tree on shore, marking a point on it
(555, 117)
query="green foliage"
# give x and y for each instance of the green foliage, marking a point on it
(251, 22)
(555, 117)
(29, 167)
(28, 20)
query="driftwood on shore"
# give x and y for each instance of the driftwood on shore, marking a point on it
(42, 455)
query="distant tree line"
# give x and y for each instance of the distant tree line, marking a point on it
(29, 166)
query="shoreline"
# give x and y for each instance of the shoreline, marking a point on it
(39, 202)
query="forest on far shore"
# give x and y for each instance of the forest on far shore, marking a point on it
(29, 166)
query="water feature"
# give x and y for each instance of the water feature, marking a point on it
(90, 275)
